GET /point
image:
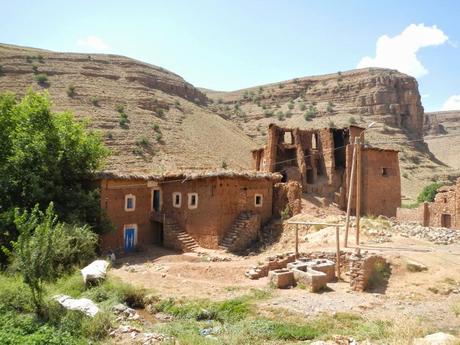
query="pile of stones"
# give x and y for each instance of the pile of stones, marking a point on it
(435, 235)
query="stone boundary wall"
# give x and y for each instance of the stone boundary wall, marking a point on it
(417, 215)
(362, 269)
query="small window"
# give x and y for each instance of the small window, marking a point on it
(192, 200)
(445, 200)
(385, 172)
(177, 199)
(258, 200)
(130, 202)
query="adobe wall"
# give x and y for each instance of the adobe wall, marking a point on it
(220, 201)
(445, 203)
(287, 194)
(381, 190)
(415, 215)
(112, 197)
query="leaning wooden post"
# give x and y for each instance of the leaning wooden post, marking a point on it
(297, 241)
(350, 192)
(359, 174)
(337, 242)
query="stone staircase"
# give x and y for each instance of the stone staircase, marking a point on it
(178, 239)
(244, 230)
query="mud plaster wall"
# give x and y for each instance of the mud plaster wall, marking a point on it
(112, 195)
(381, 189)
(220, 201)
(287, 194)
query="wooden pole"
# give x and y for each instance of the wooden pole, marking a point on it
(359, 174)
(337, 242)
(297, 241)
(350, 192)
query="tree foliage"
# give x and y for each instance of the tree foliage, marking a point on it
(428, 192)
(46, 157)
(46, 248)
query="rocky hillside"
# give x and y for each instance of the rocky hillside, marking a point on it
(150, 118)
(442, 134)
(386, 97)
(153, 120)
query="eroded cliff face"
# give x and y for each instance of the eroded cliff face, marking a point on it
(391, 95)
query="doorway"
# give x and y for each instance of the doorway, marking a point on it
(158, 234)
(156, 200)
(446, 220)
(130, 239)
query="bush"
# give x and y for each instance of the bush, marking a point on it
(351, 120)
(70, 91)
(428, 193)
(160, 113)
(280, 115)
(159, 136)
(268, 113)
(120, 108)
(224, 165)
(331, 124)
(302, 106)
(290, 105)
(123, 120)
(35, 67)
(14, 295)
(42, 79)
(94, 101)
(330, 107)
(143, 141)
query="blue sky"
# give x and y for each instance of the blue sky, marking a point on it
(227, 45)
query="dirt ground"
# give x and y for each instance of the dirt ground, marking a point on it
(432, 296)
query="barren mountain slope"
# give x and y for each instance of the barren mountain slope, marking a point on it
(387, 97)
(442, 130)
(168, 126)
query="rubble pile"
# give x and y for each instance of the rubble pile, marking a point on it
(435, 235)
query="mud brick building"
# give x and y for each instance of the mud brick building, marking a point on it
(320, 160)
(185, 210)
(444, 211)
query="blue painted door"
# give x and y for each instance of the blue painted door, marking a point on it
(129, 239)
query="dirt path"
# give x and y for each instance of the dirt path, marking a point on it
(431, 295)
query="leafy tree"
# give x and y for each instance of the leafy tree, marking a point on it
(45, 248)
(46, 157)
(428, 192)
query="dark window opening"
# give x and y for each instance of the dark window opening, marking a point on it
(445, 200)
(156, 200)
(129, 203)
(177, 201)
(283, 176)
(339, 148)
(193, 200)
(258, 200)
(385, 172)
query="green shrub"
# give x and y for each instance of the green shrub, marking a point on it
(331, 124)
(41, 79)
(94, 101)
(123, 120)
(14, 295)
(224, 165)
(291, 105)
(280, 115)
(138, 151)
(268, 113)
(70, 91)
(159, 136)
(286, 213)
(330, 107)
(302, 106)
(351, 120)
(29, 59)
(143, 141)
(34, 67)
(428, 192)
(160, 112)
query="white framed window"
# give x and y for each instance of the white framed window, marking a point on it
(258, 200)
(192, 200)
(130, 202)
(177, 199)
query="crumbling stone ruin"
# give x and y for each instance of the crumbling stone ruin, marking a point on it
(315, 269)
(443, 212)
(320, 161)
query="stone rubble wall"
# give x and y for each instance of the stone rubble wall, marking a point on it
(247, 231)
(359, 267)
(287, 194)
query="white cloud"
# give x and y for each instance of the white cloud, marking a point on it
(94, 43)
(400, 52)
(452, 103)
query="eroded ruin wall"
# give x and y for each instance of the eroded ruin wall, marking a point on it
(287, 194)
